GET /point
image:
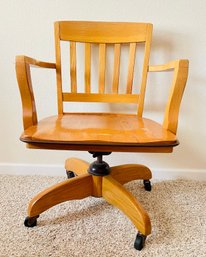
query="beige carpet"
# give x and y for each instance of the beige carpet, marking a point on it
(91, 227)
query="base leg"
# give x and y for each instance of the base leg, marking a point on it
(128, 172)
(76, 165)
(67, 190)
(115, 194)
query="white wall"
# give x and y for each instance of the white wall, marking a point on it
(26, 27)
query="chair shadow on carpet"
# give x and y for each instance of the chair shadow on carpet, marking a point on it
(76, 210)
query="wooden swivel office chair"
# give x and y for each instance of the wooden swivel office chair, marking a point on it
(100, 133)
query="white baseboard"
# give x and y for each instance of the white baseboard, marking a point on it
(192, 174)
(31, 169)
(58, 170)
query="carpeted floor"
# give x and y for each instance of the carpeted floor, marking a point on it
(91, 227)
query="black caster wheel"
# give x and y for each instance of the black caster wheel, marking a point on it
(139, 242)
(30, 221)
(70, 174)
(147, 185)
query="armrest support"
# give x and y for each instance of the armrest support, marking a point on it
(180, 71)
(23, 74)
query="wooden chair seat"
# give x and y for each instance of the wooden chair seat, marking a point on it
(99, 128)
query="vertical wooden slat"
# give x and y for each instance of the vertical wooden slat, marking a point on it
(132, 54)
(145, 70)
(87, 74)
(102, 62)
(58, 68)
(73, 61)
(115, 84)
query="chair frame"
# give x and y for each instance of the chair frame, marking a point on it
(109, 186)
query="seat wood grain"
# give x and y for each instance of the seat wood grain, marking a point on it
(99, 128)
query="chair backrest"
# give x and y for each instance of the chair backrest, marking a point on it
(102, 34)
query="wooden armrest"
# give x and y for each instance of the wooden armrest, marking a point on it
(170, 66)
(23, 74)
(35, 63)
(180, 69)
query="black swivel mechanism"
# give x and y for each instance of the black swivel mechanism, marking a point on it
(99, 167)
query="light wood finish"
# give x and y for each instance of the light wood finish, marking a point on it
(34, 63)
(87, 185)
(76, 165)
(97, 186)
(115, 84)
(105, 98)
(115, 194)
(132, 54)
(102, 63)
(100, 132)
(129, 172)
(91, 129)
(170, 66)
(23, 64)
(103, 32)
(70, 189)
(180, 68)
(73, 70)
(58, 68)
(144, 72)
(87, 75)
